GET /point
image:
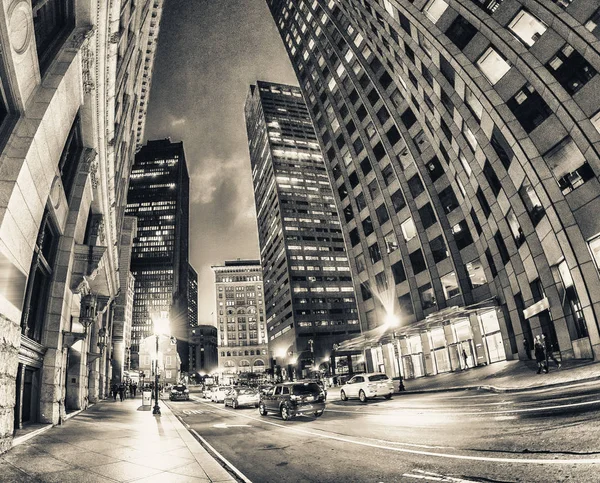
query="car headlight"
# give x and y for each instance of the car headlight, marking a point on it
(186, 391)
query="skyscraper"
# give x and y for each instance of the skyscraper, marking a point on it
(461, 137)
(240, 311)
(310, 303)
(159, 198)
(192, 297)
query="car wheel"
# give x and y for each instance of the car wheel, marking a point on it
(388, 396)
(362, 396)
(234, 404)
(285, 412)
(343, 396)
(262, 410)
(318, 413)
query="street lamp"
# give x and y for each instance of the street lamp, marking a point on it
(161, 327)
(102, 339)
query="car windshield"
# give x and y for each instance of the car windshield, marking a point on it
(246, 391)
(179, 387)
(378, 377)
(306, 388)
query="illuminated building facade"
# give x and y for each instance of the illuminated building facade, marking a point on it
(192, 297)
(310, 302)
(240, 311)
(462, 140)
(204, 349)
(159, 198)
(60, 217)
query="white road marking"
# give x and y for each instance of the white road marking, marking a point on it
(189, 412)
(239, 474)
(587, 461)
(444, 478)
(225, 425)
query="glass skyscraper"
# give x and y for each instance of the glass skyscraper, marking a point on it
(159, 198)
(461, 138)
(309, 296)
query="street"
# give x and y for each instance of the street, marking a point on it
(544, 435)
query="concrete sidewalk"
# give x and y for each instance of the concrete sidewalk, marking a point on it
(113, 441)
(507, 376)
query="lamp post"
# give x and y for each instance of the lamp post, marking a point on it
(161, 327)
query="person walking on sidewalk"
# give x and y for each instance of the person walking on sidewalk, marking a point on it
(466, 358)
(527, 348)
(540, 354)
(549, 351)
(114, 390)
(134, 388)
(121, 391)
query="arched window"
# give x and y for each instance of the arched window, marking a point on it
(228, 354)
(229, 364)
(222, 353)
(251, 352)
(259, 366)
(246, 353)
(241, 311)
(235, 353)
(245, 366)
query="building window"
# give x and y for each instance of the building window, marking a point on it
(594, 244)
(409, 230)
(527, 28)
(492, 178)
(417, 261)
(501, 147)
(532, 202)
(571, 304)
(69, 159)
(374, 253)
(405, 304)
(447, 70)
(593, 23)
(501, 247)
(52, 21)
(40, 276)
(434, 9)
(416, 186)
(476, 273)
(360, 263)
(462, 235)
(461, 32)
(367, 225)
(450, 285)
(529, 108)
(571, 69)
(515, 228)
(568, 165)
(448, 200)
(473, 104)
(382, 214)
(493, 65)
(469, 136)
(491, 263)
(388, 175)
(427, 296)
(427, 215)
(354, 237)
(435, 169)
(438, 249)
(398, 201)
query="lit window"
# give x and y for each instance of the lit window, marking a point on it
(568, 165)
(476, 273)
(493, 65)
(434, 9)
(571, 69)
(527, 28)
(450, 285)
(409, 230)
(594, 245)
(473, 104)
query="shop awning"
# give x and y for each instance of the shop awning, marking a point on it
(383, 334)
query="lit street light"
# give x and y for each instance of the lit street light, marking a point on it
(161, 327)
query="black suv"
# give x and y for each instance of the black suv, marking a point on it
(292, 398)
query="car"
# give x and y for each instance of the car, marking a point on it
(366, 386)
(218, 393)
(179, 392)
(290, 399)
(207, 393)
(241, 396)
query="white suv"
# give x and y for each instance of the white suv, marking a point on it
(365, 386)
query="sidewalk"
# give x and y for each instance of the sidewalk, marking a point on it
(113, 441)
(507, 376)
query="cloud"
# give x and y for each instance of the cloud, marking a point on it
(212, 176)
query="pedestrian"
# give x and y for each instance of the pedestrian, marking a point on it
(527, 348)
(549, 351)
(121, 391)
(466, 358)
(114, 390)
(134, 388)
(540, 354)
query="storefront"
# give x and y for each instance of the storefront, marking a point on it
(441, 357)
(411, 349)
(492, 337)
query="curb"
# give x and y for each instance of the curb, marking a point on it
(496, 389)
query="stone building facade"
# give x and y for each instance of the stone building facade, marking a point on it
(61, 168)
(461, 138)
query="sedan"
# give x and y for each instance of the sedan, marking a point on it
(366, 386)
(179, 392)
(242, 396)
(218, 393)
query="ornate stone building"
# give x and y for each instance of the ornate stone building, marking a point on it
(74, 79)
(461, 137)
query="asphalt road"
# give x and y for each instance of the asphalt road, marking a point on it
(547, 435)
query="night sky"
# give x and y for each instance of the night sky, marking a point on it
(209, 53)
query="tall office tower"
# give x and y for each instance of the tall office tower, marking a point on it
(462, 140)
(204, 350)
(159, 198)
(192, 297)
(60, 232)
(240, 311)
(308, 288)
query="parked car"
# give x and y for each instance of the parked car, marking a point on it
(218, 393)
(242, 396)
(290, 399)
(207, 393)
(366, 386)
(179, 392)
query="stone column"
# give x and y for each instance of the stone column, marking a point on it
(93, 366)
